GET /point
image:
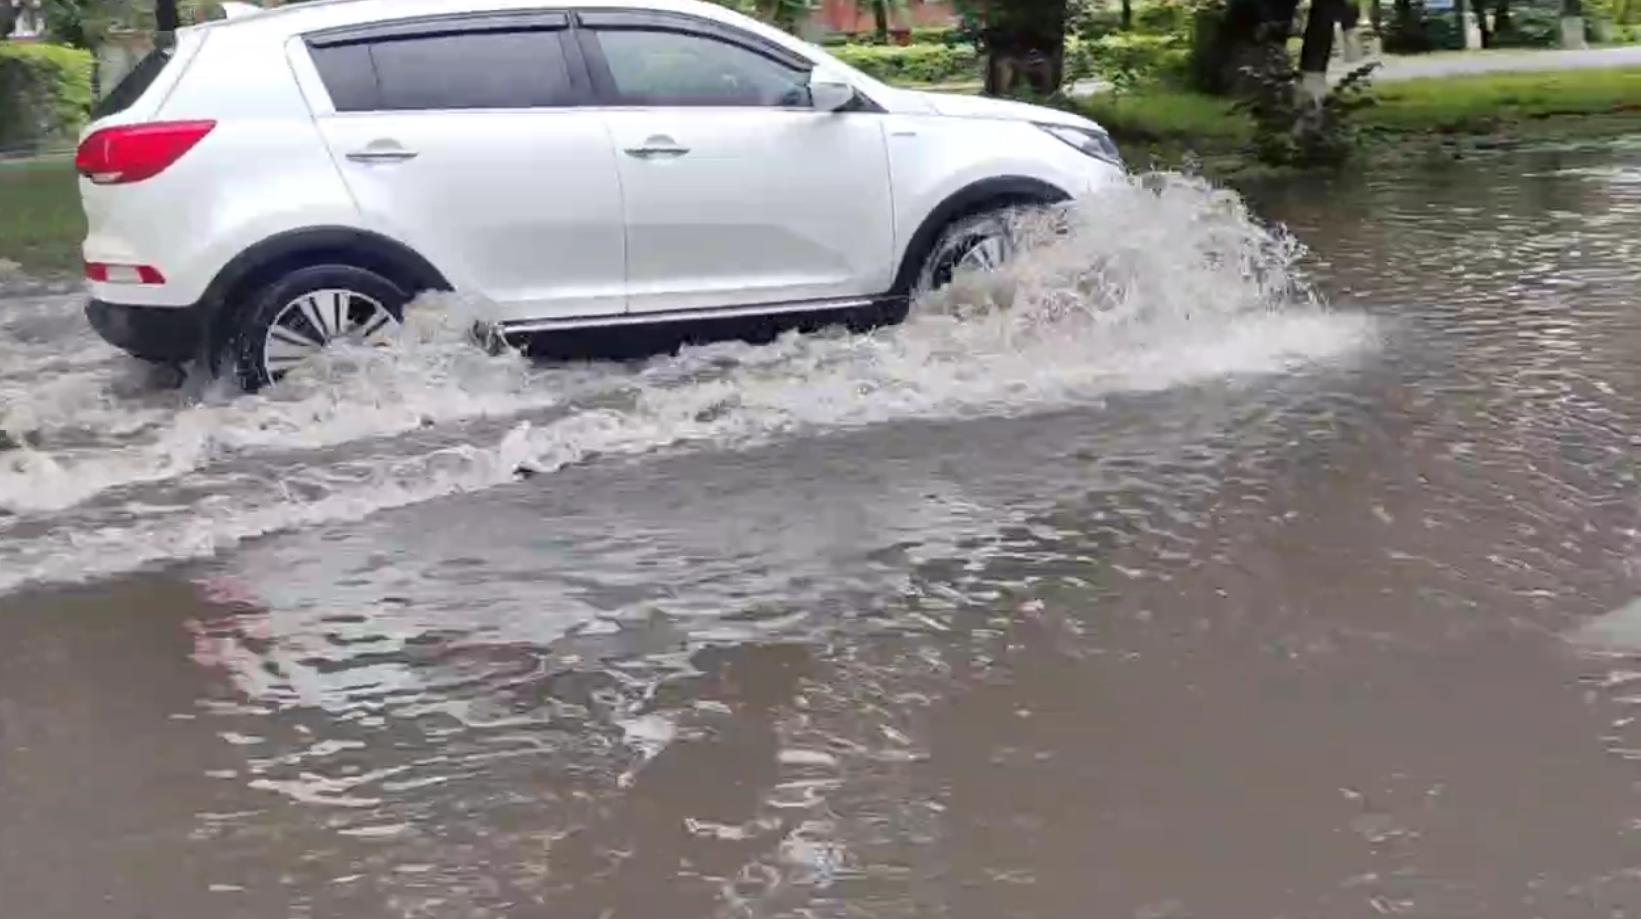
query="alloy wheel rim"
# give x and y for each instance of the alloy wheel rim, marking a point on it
(309, 324)
(983, 250)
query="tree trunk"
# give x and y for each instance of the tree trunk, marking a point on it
(880, 19)
(1317, 50)
(1024, 69)
(1501, 17)
(1572, 24)
(1127, 15)
(1350, 20)
(1252, 34)
(165, 16)
(1024, 44)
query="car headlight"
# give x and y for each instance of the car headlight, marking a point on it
(1094, 142)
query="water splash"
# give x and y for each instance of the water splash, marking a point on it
(1164, 283)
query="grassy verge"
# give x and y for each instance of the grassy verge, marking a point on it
(1411, 117)
(41, 223)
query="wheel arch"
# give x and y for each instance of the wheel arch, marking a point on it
(290, 250)
(974, 198)
(293, 249)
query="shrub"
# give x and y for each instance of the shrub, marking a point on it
(912, 63)
(1290, 130)
(1167, 17)
(45, 92)
(1534, 27)
(1411, 29)
(1124, 58)
(945, 35)
(1132, 58)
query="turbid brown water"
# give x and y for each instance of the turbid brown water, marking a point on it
(1207, 603)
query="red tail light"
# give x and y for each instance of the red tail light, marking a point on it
(116, 156)
(106, 273)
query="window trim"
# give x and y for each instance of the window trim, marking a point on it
(438, 25)
(625, 18)
(588, 23)
(458, 24)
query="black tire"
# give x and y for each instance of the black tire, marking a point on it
(246, 335)
(960, 238)
(1000, 222)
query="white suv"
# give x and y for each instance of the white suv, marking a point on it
(288, 176)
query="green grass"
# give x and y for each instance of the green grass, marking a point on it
(1485, 109)
(1488, 103)
(41, 223)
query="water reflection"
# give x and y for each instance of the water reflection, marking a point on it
(1279, 646)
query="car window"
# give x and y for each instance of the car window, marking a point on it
(463, 70)
(655, 67)
(131, 87)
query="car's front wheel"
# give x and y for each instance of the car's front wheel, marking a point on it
(294, 317)
(979, 243)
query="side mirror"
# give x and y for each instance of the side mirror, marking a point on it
(829, 92)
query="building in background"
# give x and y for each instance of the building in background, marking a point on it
(855, 16)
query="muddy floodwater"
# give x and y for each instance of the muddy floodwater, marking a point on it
(1231, 559)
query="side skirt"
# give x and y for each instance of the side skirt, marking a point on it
(650, 333)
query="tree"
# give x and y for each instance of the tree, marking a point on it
(77, 23)
(1572, 24)
(1317, 48)
(1023, 42)
(1237, 41)
(880, 17)
(784, 14)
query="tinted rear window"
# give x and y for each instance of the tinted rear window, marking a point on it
(491, 69)
(131, 87)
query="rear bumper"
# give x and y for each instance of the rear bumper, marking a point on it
(162, 334)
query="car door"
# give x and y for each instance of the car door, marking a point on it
(736, 191)
(467, 138)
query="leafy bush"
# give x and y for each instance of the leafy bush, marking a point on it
(912, 63)
(45, 92)
(1535, 27)
(1166, 17)
(1126, 59)
(1133, 58)
(1290, 130)
(946, 35)
(942, 36)
(1159, 17)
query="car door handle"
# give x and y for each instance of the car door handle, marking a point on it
(381, 156)
(657, 147)
(652, 151)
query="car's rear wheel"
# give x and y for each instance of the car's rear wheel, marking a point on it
(293, 318)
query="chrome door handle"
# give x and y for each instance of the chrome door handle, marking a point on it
(381, 156)
(650, 151)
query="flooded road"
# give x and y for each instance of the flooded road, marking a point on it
(1221, 574)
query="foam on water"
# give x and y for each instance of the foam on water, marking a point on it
(1165, 283)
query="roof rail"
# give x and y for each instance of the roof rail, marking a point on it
(233, 9)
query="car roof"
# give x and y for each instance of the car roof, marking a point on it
(314, 15)
(317, 14)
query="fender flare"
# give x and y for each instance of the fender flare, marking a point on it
(392, 259)
(997, 191)
(291, 249)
